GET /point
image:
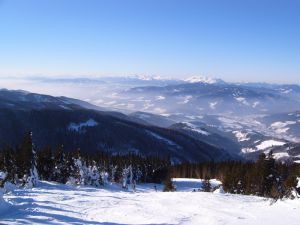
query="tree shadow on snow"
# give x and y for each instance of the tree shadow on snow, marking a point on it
(27, 214)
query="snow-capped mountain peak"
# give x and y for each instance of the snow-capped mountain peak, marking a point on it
(148, 77)
(203, 79)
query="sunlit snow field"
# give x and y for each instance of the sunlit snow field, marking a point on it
(52, 203)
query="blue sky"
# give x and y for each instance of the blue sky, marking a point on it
(242, 40)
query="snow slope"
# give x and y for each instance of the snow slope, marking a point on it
(52, 203)
(4, 206)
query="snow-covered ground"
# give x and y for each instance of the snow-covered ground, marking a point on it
(4, 206)
(268, 144)
(52, 203)
(79, 126)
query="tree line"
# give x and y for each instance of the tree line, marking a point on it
(24, 165)
(265, 177)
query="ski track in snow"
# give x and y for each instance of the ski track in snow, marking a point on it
(52, 203)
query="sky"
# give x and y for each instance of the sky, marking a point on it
(235, 40)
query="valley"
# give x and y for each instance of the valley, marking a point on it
(237, 117)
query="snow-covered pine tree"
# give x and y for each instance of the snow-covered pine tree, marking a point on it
(33, 177)
(94, 175)
(3, 176)
(138, 174)
(130, 175)
(104, 177)
(113, 170)
(127, 176)
(124, 178)
(81, 172)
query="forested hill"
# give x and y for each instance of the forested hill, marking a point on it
(92, 130)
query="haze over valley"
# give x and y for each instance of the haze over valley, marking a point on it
(243, 119)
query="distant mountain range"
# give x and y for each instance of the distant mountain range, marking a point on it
(24, 100)
(204, 98)
(192, 96)
(242, 119)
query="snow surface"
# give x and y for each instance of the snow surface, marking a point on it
(241, 136)
(280, 155)
(4, 206)
(255, 104)
(242, 100)
(186, 99)
(282, 127)
(248, 150)
(160, 97)
(213, 105)
(52, 203)
(201, 79)
(169, 142)
(78, 126)
(268, 144)
(196, 129)
(2, 175)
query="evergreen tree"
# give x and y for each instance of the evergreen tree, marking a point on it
(45, 164)
(270, 175)
(9, 164)
(113, 170)
(61, 170)
(104, 176)
(95, 175)
(168, 185)
(26, 160)
(33, 177)
(206, 186)
(24, 156)
(126, 177)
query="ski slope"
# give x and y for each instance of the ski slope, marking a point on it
(52, 203)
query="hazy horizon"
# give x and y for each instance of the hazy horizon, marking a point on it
(70, 77)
